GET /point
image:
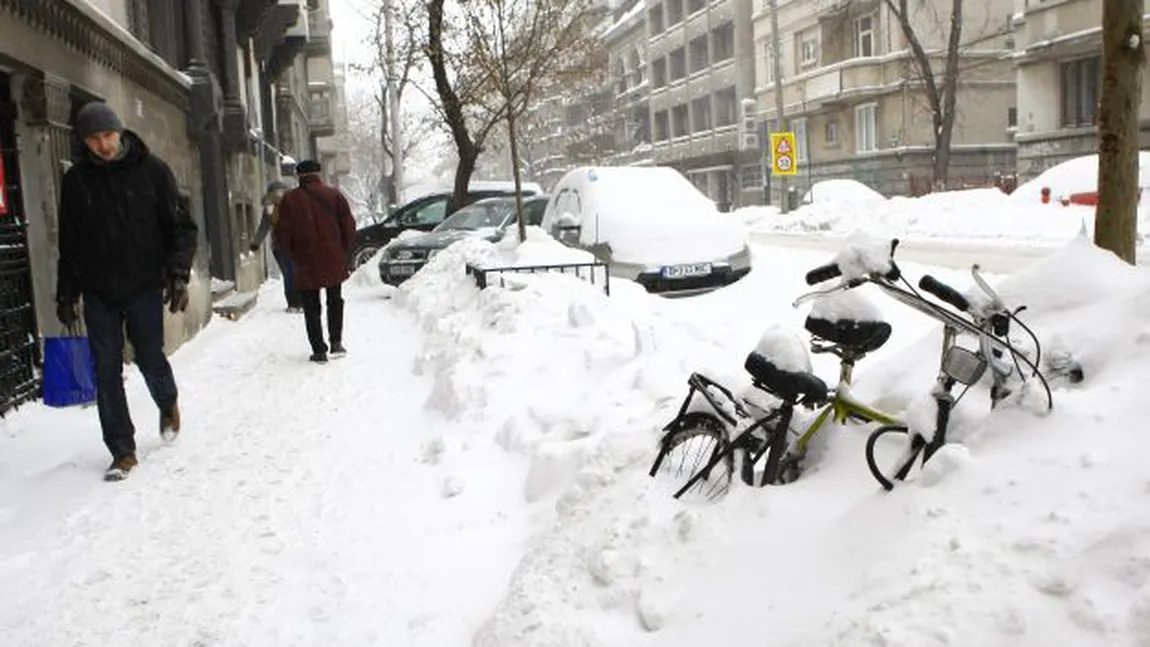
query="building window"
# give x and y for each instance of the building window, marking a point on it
(695, 5)
(799, 128)
(680, 121)
(620, 76)
(809, 52)
(655, 20)
(866, 128)
(700, 54)
(723, 43)
(638, 69)
(831, 133)
(138, 20)
(1080, 81)
(769, 64)
(674, 12)
(1012, 117)
(751, 178)
(678, 60)
(726, 107)
(864, 36)
(659, 73)
(662, 126)
(701, 114)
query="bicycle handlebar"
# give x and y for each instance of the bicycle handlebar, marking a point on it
(833, 271)
(943, 291)
(823, 273)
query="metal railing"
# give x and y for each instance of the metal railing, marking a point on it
(594, 273)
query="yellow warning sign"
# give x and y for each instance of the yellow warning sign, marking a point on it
(783, 154)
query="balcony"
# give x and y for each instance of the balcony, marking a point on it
(839, 83)
(319, 33)
(321, 117)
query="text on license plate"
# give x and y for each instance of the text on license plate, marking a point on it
(402, 270)
(690, 269)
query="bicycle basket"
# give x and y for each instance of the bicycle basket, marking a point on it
(963, 365)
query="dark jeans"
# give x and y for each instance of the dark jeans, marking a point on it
(144, 317)
(312, 312)
(291, 295)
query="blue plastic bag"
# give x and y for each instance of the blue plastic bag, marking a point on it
(69, 372)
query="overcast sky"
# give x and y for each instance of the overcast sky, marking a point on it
(352, 28)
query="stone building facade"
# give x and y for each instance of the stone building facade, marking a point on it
(194, 79)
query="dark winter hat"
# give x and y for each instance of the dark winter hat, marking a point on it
(308, 166)
(96, 117)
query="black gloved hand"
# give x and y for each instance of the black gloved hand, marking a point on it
(66, 313)
(176, 295)
(254, 247)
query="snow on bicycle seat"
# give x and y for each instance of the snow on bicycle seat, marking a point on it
(857, 336)
(788, 385)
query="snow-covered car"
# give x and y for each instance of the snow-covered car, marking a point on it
(489, 218)
(650, 225)
(423, 213)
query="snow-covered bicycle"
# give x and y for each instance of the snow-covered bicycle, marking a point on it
(716, 432)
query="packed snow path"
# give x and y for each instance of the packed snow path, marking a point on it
(300, 506)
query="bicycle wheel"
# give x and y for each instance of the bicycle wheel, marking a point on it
(892, 461)
(695, 459)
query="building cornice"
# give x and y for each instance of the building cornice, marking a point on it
(101, 40)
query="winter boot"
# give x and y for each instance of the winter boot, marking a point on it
(337, 350)
(118, 470)
(170, 424)
(319, 358)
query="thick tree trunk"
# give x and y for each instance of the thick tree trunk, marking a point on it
(452, 106)
(1123, 56)
(948, 100)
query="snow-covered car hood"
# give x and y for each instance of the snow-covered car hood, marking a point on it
(682, 239)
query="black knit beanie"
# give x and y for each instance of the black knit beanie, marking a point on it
(96, 117)
(308, 166)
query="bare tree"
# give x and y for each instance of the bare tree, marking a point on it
(507, 54)
(526, 47)
(366, 185)
(941, 94)
(406, 54)
(1123, 57)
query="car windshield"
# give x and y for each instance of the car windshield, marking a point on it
(485, 213)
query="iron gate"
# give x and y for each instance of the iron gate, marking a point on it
(20, 363)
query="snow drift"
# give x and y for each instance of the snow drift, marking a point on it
(1033, 532)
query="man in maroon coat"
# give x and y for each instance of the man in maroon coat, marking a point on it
(317, 231)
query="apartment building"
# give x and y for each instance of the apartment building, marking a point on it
(1058, 52)
(702, 67)
(852, 92)
(626, 42)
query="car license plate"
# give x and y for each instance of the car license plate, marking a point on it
(684, 271)
(402, 270)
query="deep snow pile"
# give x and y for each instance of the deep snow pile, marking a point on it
(1034, 533)
(985, 216)
(1078, 175)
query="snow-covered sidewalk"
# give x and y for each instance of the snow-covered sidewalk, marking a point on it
(301, 506)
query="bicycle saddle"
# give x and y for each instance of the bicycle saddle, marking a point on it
(790, 386)
(857, 336)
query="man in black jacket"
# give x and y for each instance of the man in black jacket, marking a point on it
(126, 246)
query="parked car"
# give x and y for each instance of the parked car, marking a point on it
(423, 214)
(489, 218)
(649, 224)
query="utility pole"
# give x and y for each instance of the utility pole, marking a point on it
(776, 70)
(393, 98)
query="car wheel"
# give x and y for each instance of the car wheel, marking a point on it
(363, 255)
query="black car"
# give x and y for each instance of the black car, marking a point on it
(490, 218)
(422, 214)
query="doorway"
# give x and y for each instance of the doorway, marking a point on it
(20, 362)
